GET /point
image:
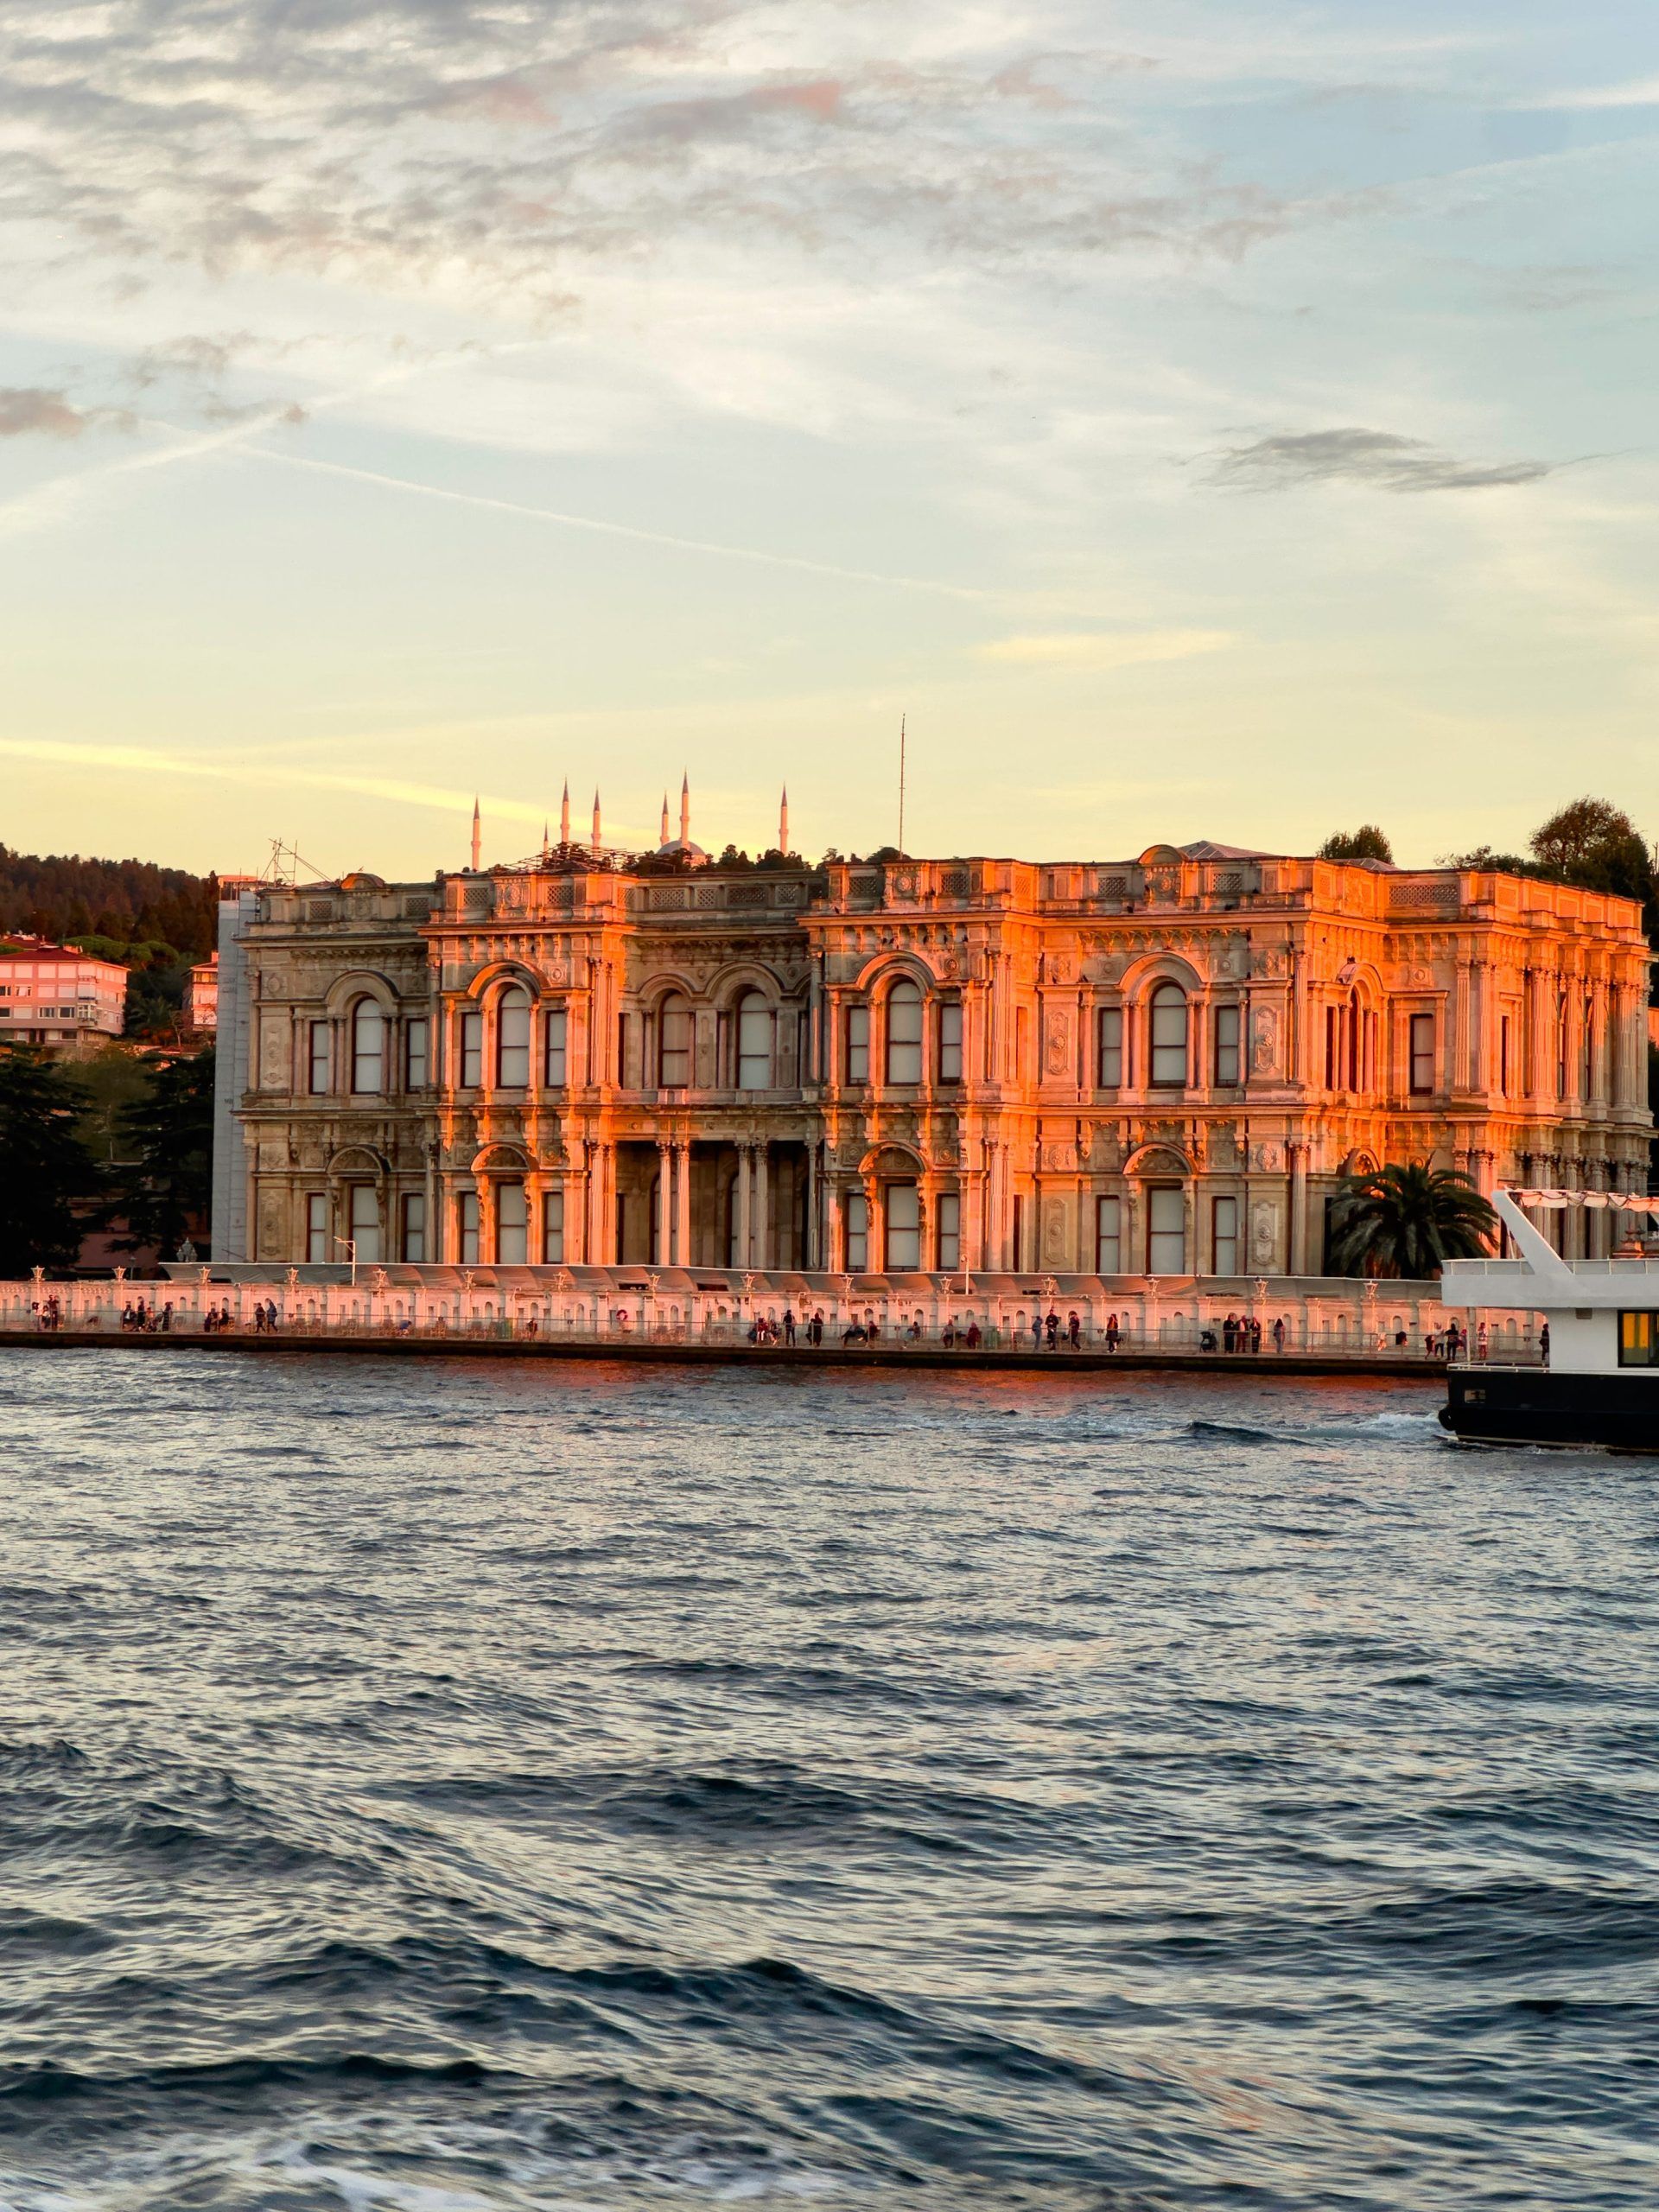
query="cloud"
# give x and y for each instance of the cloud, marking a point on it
(1292, 458)
(1097, 649)
(1637, 91)
(34, 411)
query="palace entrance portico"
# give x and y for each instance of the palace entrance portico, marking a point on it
(695, 1202)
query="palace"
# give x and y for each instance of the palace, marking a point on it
(1157, 1066)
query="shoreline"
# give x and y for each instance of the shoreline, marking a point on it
(1292, 1365)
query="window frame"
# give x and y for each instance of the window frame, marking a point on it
(1648, 1334)
(950, 1041)
(417, 1038)
(858, 1044)
(1109, 1205)
(906, 993)
(1227, 1044)
(753, 1006)
(317, 1227)
(470, 1037)
(318, 1050)
(1111, 1049)
(893, 1262)
(553, 1229)
(518, 1226)
(1154, 1192)
(365, 1233)
(675, 1007)
(367, 1015)
(556, 1049)
(466, 1228)
(1419, 1057)
(515, 1003)
(855, 1231)
(947, 1231)
(412, 1228)
(1161, 1000)
(1220, 1238)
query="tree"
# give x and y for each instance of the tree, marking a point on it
(1406, 1221)
(1598, 846)
(168, 1141)
(45, 1172)
(1368, 842)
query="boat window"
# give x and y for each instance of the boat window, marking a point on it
(1638, 1340)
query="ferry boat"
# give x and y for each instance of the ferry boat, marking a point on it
(1599, 1384)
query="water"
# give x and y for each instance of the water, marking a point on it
(464, 1787)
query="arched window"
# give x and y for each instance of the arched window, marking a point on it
(674, 1051)
(904, 1032)
(368, 1047)
(512, 1040)
(753, 1043)
(1168, 1024)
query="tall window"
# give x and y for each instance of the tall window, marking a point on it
(1560, 1046)
(365, 1222)
(1503, 1057)
(316, 1227)
(413, 1232)
(1422, 1054)
(1111, 1047)
(1168, 1032)
(1109, 1236)
(674, 1051)
(856, 1220)
(1224, 1219)
(466, 1229)
(512, 1040)
(1165, 1230)
(553, 1229)
(316, 1077)
(904, 1032)
(368, 1046)
(512, 1224)
(858, 1044)
(904, 1225)
(951, 1041)
(949, 1209)
(415, 1059)
(753, 1043)
(1227, 1021)
(472, 1051)
(558, 1031)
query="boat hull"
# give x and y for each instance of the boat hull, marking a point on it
(1495, 1405)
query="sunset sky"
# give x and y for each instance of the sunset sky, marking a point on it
(1199, 418)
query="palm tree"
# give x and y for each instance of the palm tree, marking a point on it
(1405, 1221)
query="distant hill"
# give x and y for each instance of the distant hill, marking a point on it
(136, 907)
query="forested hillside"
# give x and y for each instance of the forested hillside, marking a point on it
(129, 903)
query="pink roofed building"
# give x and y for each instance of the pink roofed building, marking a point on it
(50, 994)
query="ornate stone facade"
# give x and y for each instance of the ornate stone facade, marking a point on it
(1155, 1066)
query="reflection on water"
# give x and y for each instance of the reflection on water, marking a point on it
(465, 1788)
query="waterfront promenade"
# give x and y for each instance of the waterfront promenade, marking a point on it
(1286, 1327)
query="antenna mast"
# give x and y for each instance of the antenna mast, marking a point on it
(901, 783)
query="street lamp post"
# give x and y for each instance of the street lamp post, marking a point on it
(350, 1243)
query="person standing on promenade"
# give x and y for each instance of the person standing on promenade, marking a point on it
(1074, 1330)
(789, 1324)
(1111, 1332)
(815, 1328)
(1279, 1334)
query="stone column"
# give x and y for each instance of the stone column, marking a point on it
(762, 1207)
(682, 1205)
(745, 1207)
(665, 1204)
(810, 1258)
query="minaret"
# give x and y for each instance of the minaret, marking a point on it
(596, 822)
(782, 821)
(476, 833)
(664, 836)
(685, 808)
(545, 845)
(564, 814)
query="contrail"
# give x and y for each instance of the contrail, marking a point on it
(624, 530)
(46, 502)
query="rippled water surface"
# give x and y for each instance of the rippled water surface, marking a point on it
(462, 1787)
